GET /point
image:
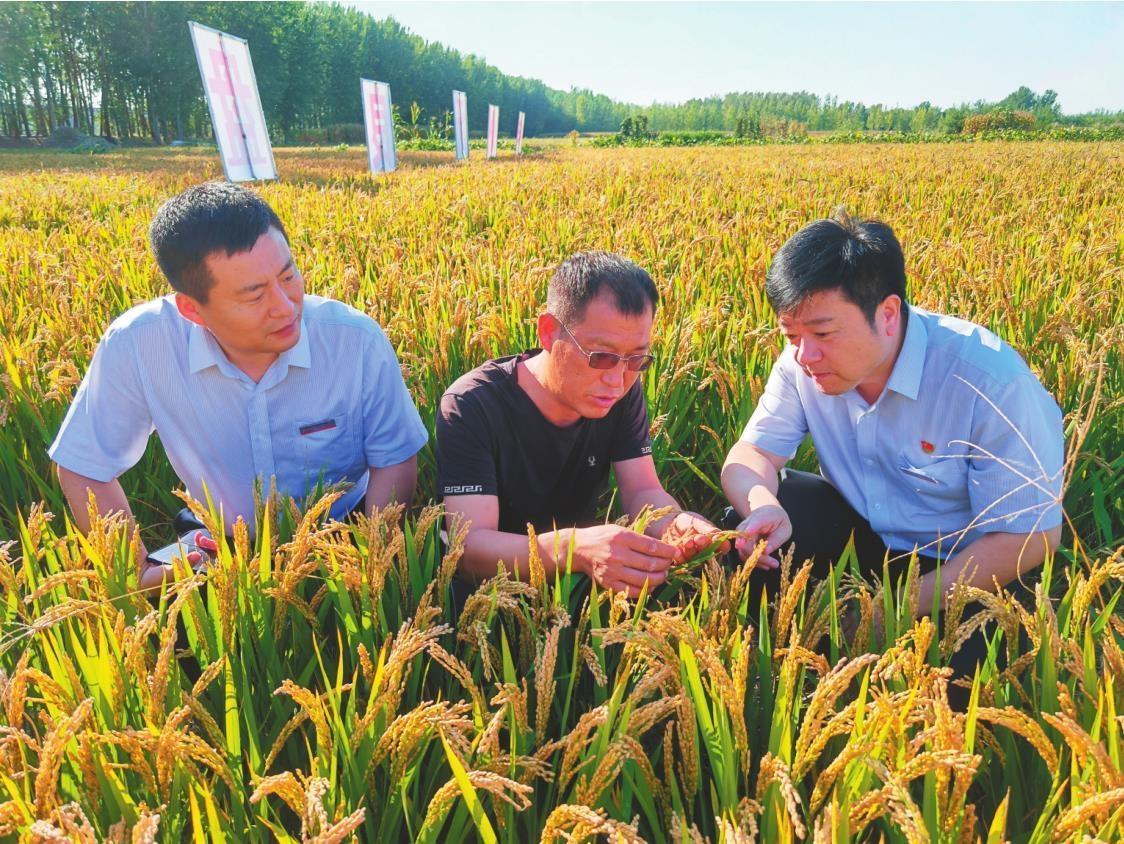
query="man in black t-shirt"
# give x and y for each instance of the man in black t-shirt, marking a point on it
(530, 439)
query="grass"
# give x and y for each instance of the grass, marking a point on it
(320, 686)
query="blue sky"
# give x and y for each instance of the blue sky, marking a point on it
(889, 53)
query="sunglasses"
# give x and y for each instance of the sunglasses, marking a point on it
(609, 360)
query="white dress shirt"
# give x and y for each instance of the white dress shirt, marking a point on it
(963, 441)
(326, 409)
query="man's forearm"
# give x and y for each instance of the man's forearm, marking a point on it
(749, 487)
(109, 498)
(993, 558)
(656, 498)
(392, 484)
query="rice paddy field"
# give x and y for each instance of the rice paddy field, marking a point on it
(315, 686)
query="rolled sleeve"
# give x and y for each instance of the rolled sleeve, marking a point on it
(631, 436)
(107, 427)
(1017, 455)
(392, 428)
(778, 424)
(466, 462)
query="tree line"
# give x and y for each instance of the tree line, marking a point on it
(127, 70)
(829, 114)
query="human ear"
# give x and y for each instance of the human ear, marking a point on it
(188, 308)
(548, 330)
(891, 309)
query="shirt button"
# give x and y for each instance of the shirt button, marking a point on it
(877, 506)
(869, 462)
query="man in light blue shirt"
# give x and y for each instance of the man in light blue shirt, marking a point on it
(931, 432)
(244, 378)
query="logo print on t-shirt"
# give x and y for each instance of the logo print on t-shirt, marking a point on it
(592, 460)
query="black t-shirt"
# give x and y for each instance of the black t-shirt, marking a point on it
(493, 440)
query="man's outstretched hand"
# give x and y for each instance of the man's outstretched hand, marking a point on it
(691, 534)
(621, 559)
(770, 523)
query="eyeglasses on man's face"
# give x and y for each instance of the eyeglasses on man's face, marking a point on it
(609, 360)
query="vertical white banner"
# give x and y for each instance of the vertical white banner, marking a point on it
(493, 129)
(378, 118)
(234, 104)
(460, 123)
(519, 134)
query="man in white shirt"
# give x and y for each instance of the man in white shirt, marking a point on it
(245, 379)
(931, 432)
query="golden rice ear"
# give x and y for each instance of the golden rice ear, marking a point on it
(839, 215)
(52, 755)
(1096, 808)
(790, 593)
(536, 571)
(570, 822)
(458, 528)
(545, 682)
(774, 770)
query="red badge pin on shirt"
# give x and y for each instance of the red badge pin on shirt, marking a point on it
(926, 446)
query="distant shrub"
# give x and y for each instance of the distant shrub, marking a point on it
(70, 139)
(860, 137)
(747, 126)
(1000, 118)
(64, 137)
(634, 130)
(788, 130)
(1052, 133)
(93, 145)
(704, 137)
(694, 139)
(330, 135)
(427, 144)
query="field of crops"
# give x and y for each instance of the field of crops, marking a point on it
(319, 686)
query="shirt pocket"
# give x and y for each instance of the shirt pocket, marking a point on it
(327, 446)
(944, 479)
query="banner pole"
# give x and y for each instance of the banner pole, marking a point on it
(237, 109)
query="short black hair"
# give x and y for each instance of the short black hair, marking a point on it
(204, 219)
(862, 259)
(581, 277)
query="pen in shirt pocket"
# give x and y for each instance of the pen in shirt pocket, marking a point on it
(915, 472)
(317, 427)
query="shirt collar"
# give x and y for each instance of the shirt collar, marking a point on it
(905, 379)
(301, 354)
(204, 351)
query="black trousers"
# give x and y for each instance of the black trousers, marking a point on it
(822, 524)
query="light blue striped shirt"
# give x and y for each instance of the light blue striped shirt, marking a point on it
(327, 409)
(963, 441)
